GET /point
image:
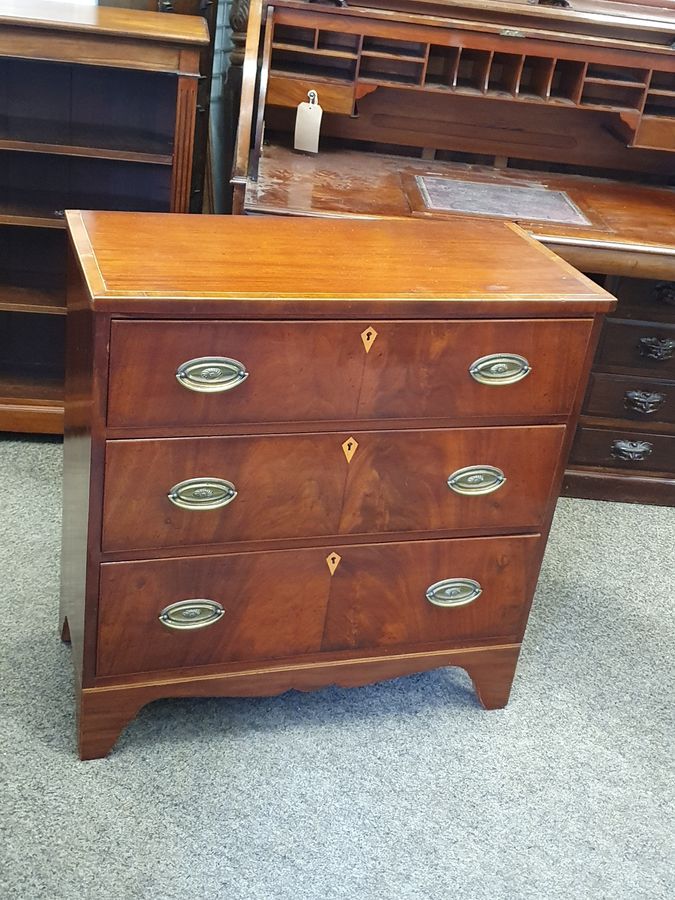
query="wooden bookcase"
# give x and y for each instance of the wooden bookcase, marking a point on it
(97, 111)
(208, 9)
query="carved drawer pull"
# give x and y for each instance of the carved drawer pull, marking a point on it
(202, 493)
(211, 374)
(454, 592)
(190, 614)
(644, 402)
(656, 348)
(633, 451)
(500, 368)
(475, 480)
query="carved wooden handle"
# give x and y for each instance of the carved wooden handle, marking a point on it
(644, 402)
(633, 451)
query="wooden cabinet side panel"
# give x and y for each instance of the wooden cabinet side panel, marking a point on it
(86, 381)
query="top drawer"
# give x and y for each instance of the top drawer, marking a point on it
(276, 372)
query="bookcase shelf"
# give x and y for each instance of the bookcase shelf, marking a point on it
(91, 116)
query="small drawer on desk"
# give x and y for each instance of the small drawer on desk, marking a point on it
(631, 397)
(332, 97)
(182, 374)
(624, 450)
(175, 613)
(656, 132)
(647, 346)
(221, 490)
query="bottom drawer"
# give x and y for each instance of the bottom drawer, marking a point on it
(261, 606)
(624, 450)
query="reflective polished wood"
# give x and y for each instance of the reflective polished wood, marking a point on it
(386, 510)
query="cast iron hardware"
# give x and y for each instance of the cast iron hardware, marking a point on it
(645, 402)
(656, 348)
(633, 451)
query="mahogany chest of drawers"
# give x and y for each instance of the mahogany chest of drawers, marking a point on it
(308, 452)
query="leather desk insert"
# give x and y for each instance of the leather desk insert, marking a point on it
(345, 479)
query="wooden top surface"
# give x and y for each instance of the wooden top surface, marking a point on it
(366, 184)
(128, 23)
(335, 266)
(592, 12)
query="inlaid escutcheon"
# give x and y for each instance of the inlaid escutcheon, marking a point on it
(315, 371)
(299, 485)
(284, 605)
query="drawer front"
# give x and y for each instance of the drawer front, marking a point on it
(638, 345)
(337, 371)
(631, 397)
(624, 450)
(334, 98)
(311, 485)
(297, 602)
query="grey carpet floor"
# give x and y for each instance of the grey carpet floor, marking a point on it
(401, 790)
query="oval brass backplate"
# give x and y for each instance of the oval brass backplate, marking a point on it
(191, 614)
(211, 374)
(472, 481)
(202, 493)
(500, 368)
(453, 592)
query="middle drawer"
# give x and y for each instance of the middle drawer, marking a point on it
(220, 490)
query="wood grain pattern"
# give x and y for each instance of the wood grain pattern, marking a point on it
(125, 23)
(301, 486)
(312, 372)
(287, 604)
(103, 712)
(310, 599)
(207, 270)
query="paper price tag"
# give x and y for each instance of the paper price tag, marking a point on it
(308, 124)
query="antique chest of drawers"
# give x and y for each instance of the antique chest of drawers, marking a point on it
(308, 452)
(625, 443)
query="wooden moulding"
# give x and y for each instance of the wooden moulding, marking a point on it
(105, 711)
(99, 36)
(622, 487)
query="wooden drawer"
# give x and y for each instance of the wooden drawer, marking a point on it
(320, 371)
(288, 604)
(311, 485)
(624, 450)
(655, 133)
(334, 98)
(647, 346)
(631, 397)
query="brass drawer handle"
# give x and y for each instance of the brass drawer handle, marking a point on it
(471, 481)
(644, 402)
(454, 592)
(500, 368)
(190, 614)
(211, 374)
(656, 348)
(631, 450)
(202, 493)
